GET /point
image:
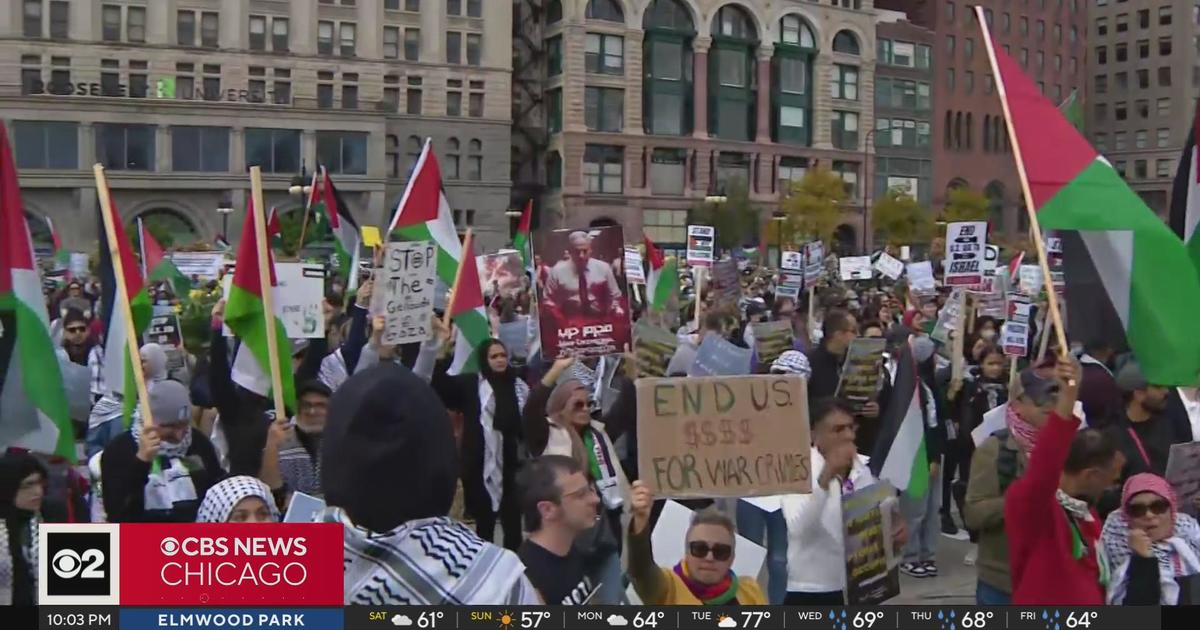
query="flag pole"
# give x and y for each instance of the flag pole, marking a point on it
(142, 247)
(446, 317)
(1035, 229)
(267, 290)
(307, 208)
(121, 294)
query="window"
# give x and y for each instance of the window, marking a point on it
(950, 45)
(898, 53)
(1101, 141)
(453, 47)
(667, 172)
(342, 152)
(200, 149)
(604, 109)
(32, 18)
(1143, 79)
(1101, 26)
(474, 49)
(412, 44)
(391, 93)
(391, 42)
(1139, 169)
(1164, 76)
(666, 226)
(1120, 111)
(258, 32)
(1119, 167)
(185, 28)
(969, 48)
(731, 167)
(280, 40)
(1101, 55)
(1122, 23)
(1058, 33)
(845, 82)
(325, 90)
(110, 82)
(325, 38)
(1024, 57)
(845, 42)
(1119, 141)
(138, 84)
(1122, 52)
(848, 171)
(1101, 83)
(1006, 22)
(1041, 60)
(1163, 168)
(1144, 18)
(125, 147)
(1023, 26)
(950, 79)
(791, 170)
(1141, 139)
(1164, 107)
(349, 90)
(1164, 46)
(554, 111)
(1041, 30)
(475, 105)
(554, 56)
(451, 164)
(412, 104)
(554, 167)
(45, 144)
(604, 54)
(110, 23)
(1101, 111)
(988, 83)
(474, 160)
(949, 11)
(1164, 15)
(453, 7)
(348, 35)
(212, 82)
(275, 150)
(454, 97)
(210, 27)
(607, 10)
(474, 8)
(1143, 46)
(1163, 138)
(603, 169)
(845, 130)
(969, 81)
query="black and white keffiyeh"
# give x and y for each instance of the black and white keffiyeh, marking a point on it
(220, 499)
(1177, 556)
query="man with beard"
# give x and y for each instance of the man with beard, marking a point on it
(1143, 432)
(292, 458)
(76, 340)
(1099, 393)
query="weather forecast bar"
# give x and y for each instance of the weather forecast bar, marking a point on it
(599, 617)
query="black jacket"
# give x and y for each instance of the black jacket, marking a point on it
(826, 372)
(124, 478)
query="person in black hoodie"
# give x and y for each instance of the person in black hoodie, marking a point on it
(22, 488)
(135, 488)
(987, 390)
(491, 402)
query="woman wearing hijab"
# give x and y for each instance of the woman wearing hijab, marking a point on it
(240, 499)
(159, 471)
(22, 487)
(491, 402)
(105, 421)
(1153, 550)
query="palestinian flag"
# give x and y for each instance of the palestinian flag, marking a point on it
(117, 370)
(470, 317)
(62, 257)
(244, 314)
(423, 214)
(1148, 278)
(156, 267)
(345, 229)
(521, 240)
(32, 396)
(1072, 110)
(1185, 197)
(899, 456)
(663, 280)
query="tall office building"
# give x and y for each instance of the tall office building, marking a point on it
(177, 98)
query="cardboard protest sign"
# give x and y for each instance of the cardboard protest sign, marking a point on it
(772, 339)
(859, 383)
(1014, 334)
(634, 273)
(164, 330)
(700, 245)
(299, 294)
(872, 568)
(726, 281)
(814, 262)
(1029, 280)
(79, 265)
(583, 305)
(948, 318)
(889, 266)
(654, 347)
(855, 267)
(718, 357)
(724, 437)
(964, 253)
(791, 261)
(501, 274)
(920, 278)
(787, 291)
(206, 265)
(404, 291)
(994, 303)
(1183, 471)
(515, 337)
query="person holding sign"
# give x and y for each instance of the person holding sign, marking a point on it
(1153, 551)
(704, 577)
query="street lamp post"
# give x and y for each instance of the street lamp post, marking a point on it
(225, 208)
(866, 184)
(512, 214)
(779, 216)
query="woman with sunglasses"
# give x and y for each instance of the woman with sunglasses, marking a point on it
(704, 577)
(1153, 550)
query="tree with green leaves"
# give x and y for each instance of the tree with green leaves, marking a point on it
(813, 206)
(964, 204)
(900, 219)
(735, 219)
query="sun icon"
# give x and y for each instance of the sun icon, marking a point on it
(506, 620)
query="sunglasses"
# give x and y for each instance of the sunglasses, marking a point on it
(1138, 510)
(579, 405)
(700, 549)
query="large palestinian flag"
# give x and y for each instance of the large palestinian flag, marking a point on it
(423, 214)
(900, 456)
(336, 213)
(470, 317)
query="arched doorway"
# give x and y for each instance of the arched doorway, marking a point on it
(170, 228)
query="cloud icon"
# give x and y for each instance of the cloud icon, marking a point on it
(401, 620)
(617, 620)
(727, 622)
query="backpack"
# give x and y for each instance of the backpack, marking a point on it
(1006, 461)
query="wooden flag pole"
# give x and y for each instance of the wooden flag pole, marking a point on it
(267, 290)
(1035, 229)
(957, 357)
(121, 293)
(699, 273)
(307, 209)
(466, 247)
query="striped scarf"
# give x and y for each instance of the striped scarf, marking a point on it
(717, 594)
(1024, 433)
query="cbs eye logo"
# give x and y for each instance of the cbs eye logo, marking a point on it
(80, 563)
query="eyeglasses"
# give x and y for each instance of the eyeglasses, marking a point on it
(1138, 510)
(700, 549)
(579, 405)
(582, 492)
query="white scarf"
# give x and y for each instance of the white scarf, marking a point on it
(7, 569)
(1087, 359)
(493, 440)
(170, 484)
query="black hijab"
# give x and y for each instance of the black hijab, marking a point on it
(507, 418)
(14, 468)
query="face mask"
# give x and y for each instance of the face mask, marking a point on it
(988, 334)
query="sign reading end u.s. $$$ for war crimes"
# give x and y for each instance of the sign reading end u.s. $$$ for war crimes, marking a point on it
(741, 436)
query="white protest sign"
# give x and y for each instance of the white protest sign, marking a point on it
(299, 292)
(79, 265)
(792, 261)
(700, 245)
(991, 255)
(965, 253)
(633, 266)
(905, 253)
(889, 266)
(404, 288)
(814, 262)
(855, 267)
(205, 265)
(1029, 279)
(920, 278)
(787, 291)
(1014, 334)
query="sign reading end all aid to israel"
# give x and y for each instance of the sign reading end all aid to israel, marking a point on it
(192, 564)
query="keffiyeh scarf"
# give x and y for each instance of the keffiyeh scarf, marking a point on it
(1024, 433)
(220, 499)
(1177, 556)
(7, 570)
(493, 440)
(170, 484)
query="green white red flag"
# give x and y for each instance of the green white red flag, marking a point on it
(156, 266)
(663, 280)
(423, 214)
(467, 310)
(521, 240)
